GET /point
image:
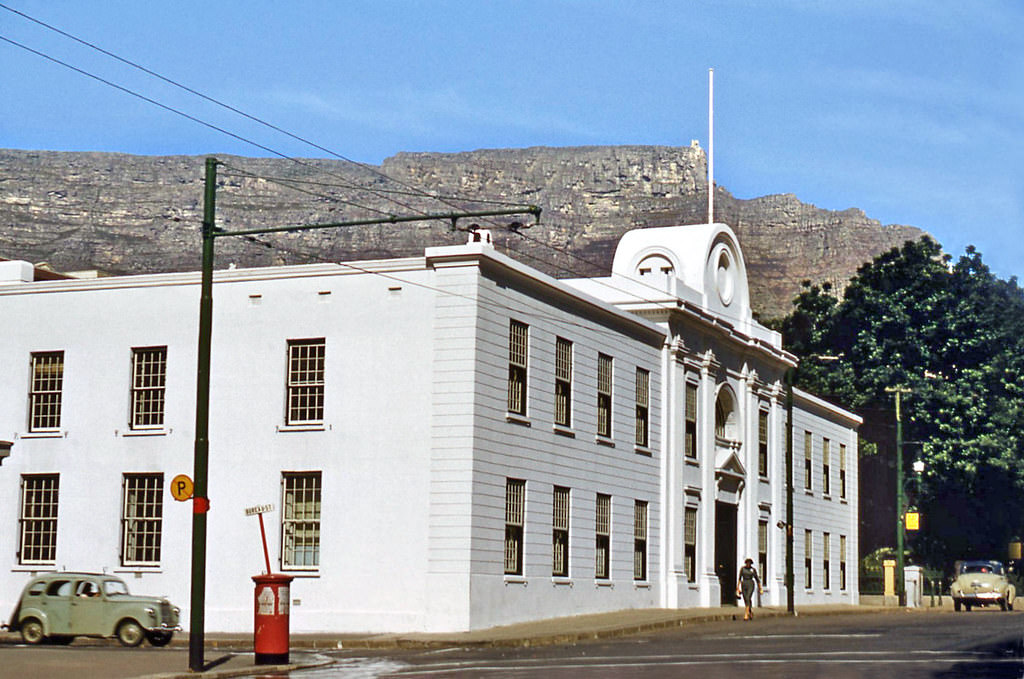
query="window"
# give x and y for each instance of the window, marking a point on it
(149, 380)
(604, 395)
(639, 540)
(563, 382)
(141, 519)
(38, 519)
(762, 443)
(762, 549)
(643, 396)
(45, 391)
(826, 466)
(560, 533)
(808, 555)
(300, 543)
(690, 543)
(842, 562)
(518, 353)
(691, 422)
(808, 445)
(603, 531)
(842, 471)
(826, 562)
(306, 381)
(515, 501)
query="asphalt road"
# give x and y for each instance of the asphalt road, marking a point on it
(981, 644)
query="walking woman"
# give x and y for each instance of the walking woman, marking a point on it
(745, 586)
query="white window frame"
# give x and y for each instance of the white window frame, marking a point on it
(605, 386)
(515, 524)
(518, 367)
(762, 442)
(563, 382)
(640, 542)
(46, 391)
(690, 543)
(37, 529)
(690, 444)
(149, 388)
(141, 519)
(302, 496)
(826, 466)
(306, 381)
(643, 408)
(603, 537)
(561, 501)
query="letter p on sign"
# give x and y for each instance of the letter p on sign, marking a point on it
(181, 487)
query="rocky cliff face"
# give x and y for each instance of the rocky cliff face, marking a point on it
(134, 214)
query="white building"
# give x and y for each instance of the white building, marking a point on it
(450, 442)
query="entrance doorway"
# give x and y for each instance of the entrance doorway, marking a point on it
(725, 551)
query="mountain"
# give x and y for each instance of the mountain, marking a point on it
(132, 214)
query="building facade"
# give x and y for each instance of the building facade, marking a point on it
(449, 442)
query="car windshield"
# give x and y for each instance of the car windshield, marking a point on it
(114, 587)
(985, 567)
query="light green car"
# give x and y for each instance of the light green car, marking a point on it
(57, 607)
(981, 583)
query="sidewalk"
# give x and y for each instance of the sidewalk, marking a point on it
(229, 655)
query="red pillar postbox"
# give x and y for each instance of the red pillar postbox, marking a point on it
(270, 630)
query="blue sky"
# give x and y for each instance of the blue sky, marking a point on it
(910, 110)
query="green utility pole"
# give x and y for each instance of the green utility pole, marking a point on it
(200, 500)
(900, 499)
(789, 379)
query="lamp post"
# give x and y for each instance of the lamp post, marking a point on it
(900, 498)
(790, 377)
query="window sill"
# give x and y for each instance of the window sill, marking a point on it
(808, 492)
(34, 568)
(301, 574)
(604, 583)
(514, 418)
(143, 432)
(826, 496)
(641, 584)
(43, 435)
(564, 431)
(604, 441)
(561, 581)
(286, 428)
(138, 570)
(516, 580)
(643, 450)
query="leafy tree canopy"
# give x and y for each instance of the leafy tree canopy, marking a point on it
(953, 334)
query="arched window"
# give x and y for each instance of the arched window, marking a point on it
(725, 416)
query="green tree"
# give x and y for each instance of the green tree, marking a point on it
(954, 335)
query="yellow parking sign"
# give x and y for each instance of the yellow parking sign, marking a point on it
(181, 487)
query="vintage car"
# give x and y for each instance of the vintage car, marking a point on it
(57, 607)
(981, 583)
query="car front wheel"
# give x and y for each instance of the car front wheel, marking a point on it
(130, 633)
(32, 631)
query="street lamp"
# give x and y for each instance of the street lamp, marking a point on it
(900, 497)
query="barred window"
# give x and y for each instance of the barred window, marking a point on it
(842, 471)
(639, 540)
(515, 510)
(826, 466)
(563, 382)
(603, 532)
(141, 519)
(826, 561)
(762, 443)
(149, 381)
(691, 421)
(808, 452)
(300, 543)
(604, 395)
(690, 543)
(39, 495)
(808, 555)
(306, 381)
(643, 397)
(45, 391)
(762, 549)
(518, 354)
(842, 562)
(560, 533)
